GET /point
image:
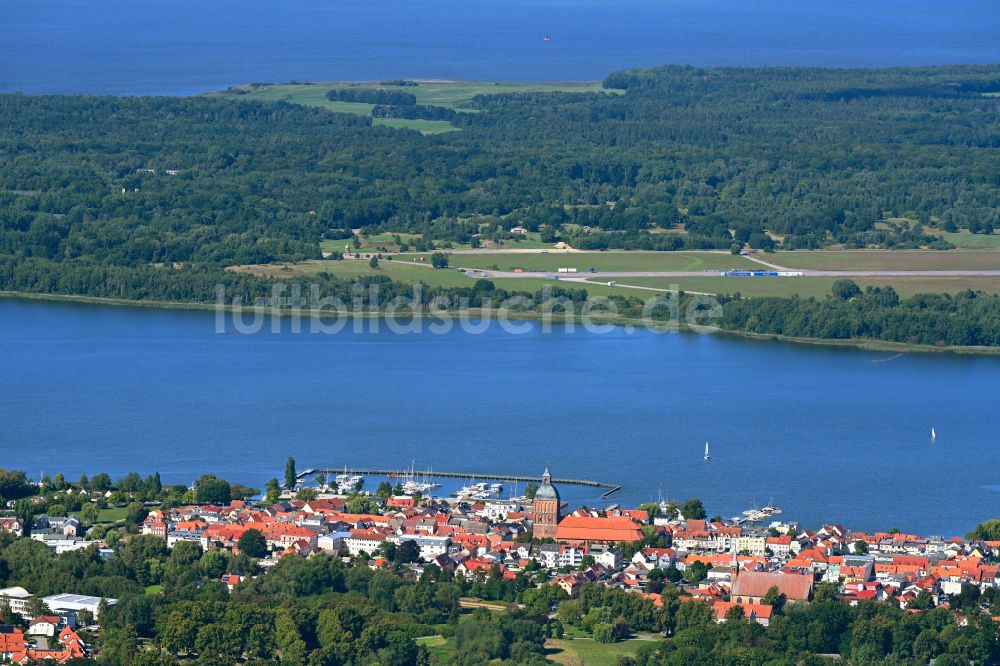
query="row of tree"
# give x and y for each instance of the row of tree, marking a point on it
(877, 313)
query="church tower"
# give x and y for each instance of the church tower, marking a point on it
(546, 509)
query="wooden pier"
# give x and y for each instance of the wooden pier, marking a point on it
(610, 488)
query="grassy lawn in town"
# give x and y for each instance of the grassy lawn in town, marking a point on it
(111, 515)
(588, 652)
(574, 652)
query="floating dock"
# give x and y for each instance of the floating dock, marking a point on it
(609, 488)
(756, 515)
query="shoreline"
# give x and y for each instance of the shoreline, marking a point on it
(621, 322)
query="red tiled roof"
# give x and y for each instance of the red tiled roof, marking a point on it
(12, 642)
(750, 611)
(586, 528)
(756, 584)
(657, 599)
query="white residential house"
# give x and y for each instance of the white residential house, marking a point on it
(607, 556)
(45, 625)
(364, 542)
(571, 556)
(333, 542)
(660, 558)
(430, 546)
(11, 524)
(548, 555)
(497, 511)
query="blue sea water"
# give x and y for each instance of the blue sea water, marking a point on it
(191, 46)
(826, 433)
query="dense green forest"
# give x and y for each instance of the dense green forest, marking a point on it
(810, 155)
(877, 313)
(151, 198)
(371, 96)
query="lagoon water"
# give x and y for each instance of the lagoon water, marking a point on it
(191, 46)
(826, 433)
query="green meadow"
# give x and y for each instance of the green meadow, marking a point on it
(386, 242)
(810, 286)
(456, 95)
(967, 240)
(411, 273)
(588, 652)
(575, 652)
(112, 515)
(602, 261)
(873, 260)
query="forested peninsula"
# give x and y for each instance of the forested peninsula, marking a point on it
(153, 199)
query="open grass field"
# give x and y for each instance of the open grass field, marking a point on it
(602, 261)
(459, 94)
(810, 286)
(403, 268)
(411, 273)
(456, 95)
(967, 240)
(588, 652)
(529, 241)
(836, 260)
(373, 243)
(315, 95)
(353, 268)
(441, 649)
(417, 124)
(112, 515)
(370, 243)
(576, 652)
(451, 94)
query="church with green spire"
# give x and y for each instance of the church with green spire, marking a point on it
(546, 509)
